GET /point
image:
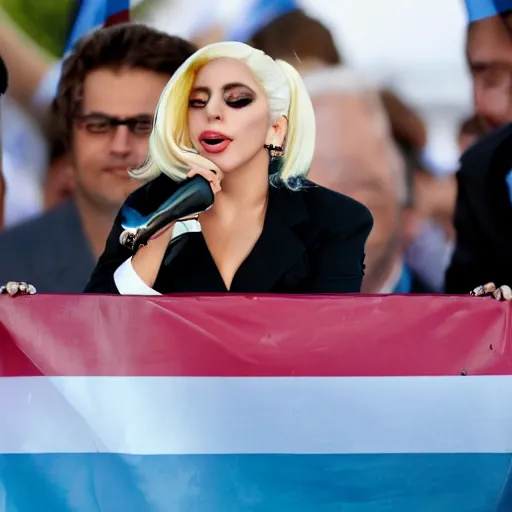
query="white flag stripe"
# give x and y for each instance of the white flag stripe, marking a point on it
(178, 415)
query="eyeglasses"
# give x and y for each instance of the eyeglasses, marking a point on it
(103, 123)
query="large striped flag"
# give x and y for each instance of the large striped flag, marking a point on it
(255, 404)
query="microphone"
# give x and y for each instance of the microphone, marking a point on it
(192, 197)
(3, 77)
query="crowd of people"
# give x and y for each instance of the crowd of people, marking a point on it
(430, 234)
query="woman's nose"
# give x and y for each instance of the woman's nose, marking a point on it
(214, 111)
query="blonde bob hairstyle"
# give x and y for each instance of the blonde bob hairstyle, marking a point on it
(170, 148)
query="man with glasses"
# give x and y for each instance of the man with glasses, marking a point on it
(107, 96)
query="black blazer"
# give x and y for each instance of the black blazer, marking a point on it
(312, 242)
(483, 216)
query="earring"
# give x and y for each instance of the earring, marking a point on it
(275, 151)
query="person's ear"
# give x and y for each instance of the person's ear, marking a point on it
(277, 132)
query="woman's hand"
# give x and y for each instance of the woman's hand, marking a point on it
(490, 289)
(148, 259)
(214, 177)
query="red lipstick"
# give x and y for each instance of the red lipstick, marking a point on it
(214, 142)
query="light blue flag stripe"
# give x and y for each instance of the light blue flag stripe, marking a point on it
(256, 483)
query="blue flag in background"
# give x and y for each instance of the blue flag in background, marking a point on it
(88, 15)
(93, 14)
(480, 9)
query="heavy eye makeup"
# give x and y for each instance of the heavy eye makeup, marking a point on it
(234, 95)
(239, 100)
(238, 96)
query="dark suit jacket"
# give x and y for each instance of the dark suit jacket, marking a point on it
(483, 216)
(312, 242)
(50, 252)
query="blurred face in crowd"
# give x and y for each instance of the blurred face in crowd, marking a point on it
(228, 116)
(102, 153)
(355, 156)
(489, 52)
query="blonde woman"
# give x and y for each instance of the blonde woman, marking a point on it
(229, 114)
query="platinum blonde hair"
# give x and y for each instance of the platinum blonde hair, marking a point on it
(170, 148)
(343, 81)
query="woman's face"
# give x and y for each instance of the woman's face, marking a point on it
(228, 115)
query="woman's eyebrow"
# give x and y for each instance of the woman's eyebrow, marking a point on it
(234, 85)
(226, 87)
(201, 89)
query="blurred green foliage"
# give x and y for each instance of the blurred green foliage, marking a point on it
(44, 21)
(47, 22)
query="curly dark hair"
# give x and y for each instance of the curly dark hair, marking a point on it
(126, 45)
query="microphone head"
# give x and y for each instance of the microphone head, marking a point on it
(3, 77)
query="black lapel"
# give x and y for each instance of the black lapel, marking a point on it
(189, 268)
(278, 247)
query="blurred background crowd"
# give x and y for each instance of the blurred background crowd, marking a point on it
(401, 90)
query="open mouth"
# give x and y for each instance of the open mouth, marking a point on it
(215, 144)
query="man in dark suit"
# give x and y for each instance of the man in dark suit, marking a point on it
(104, 109)
(483, 214)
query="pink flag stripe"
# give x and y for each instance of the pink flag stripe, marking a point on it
(87, 335)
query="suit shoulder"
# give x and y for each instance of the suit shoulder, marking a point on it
(336, 210)
(493, 149)
(24, 245)
(323, 200)
(31, 231)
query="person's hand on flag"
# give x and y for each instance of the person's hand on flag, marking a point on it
(503, 292)
(14, 288)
